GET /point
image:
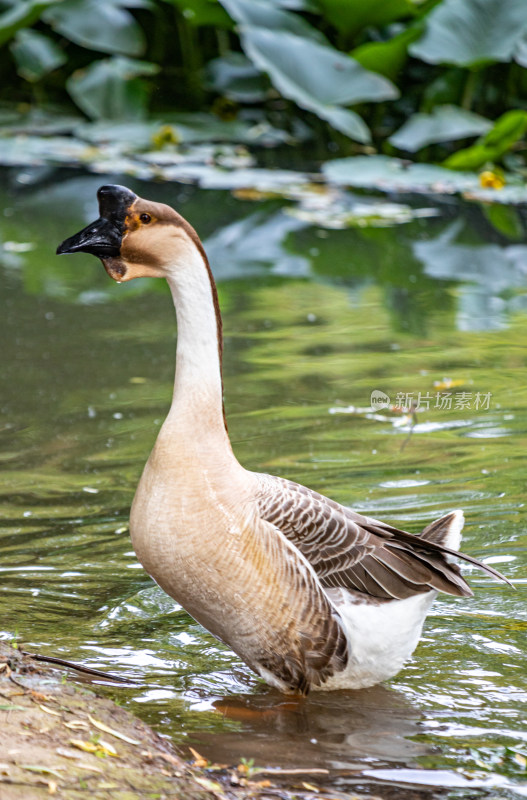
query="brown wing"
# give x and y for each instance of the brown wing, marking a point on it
(299, 640)
(349, 550)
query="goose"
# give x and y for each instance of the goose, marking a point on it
(309, 593)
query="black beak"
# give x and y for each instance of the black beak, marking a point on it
(104, 236)
(101, 238)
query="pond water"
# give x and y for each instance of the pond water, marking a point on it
(315, 321)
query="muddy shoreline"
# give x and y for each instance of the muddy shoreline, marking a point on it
(58, 737)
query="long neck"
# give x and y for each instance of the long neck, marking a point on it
(198, 387)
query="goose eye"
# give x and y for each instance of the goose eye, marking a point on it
(145, 218)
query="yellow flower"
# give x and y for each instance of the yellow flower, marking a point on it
(165, 135)
(491, 180)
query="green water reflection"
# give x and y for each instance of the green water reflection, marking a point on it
(315, 320)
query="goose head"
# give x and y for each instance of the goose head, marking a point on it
(135, 238)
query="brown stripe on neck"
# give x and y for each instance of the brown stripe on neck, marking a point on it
(219, 323)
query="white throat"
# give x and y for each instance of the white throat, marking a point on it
(198, 391)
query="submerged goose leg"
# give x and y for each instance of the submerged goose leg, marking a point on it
(308, 592)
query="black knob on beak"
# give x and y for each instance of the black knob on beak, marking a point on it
(104, 236)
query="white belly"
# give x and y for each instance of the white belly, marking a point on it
(381, 637)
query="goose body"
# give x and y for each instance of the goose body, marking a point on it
(309, 593)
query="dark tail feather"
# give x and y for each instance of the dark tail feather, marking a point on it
(432, 538)
(485, 567)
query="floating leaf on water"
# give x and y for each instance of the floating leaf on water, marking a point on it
(35, 150)
(282, 182)
(165, 135)
(340, 215)
(39, 121)
(131, 136)
(393, 174)
(508, 195)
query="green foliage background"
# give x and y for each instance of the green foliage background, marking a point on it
(443, 79)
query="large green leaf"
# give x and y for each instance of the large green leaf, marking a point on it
(236, 78)
(352, 16)
(345, 121)
(317, 77)
(36, 54)
(315, 71)
(265, 14)
(112, 88)
(472, 32)
(520, 54)
(103, 25)
(297, 5)
(387, 58)
(203, 12)
(444, 124)
(23, 14)
(508, 129)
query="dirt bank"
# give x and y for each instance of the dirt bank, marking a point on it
(58, 738)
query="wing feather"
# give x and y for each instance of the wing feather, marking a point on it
(356, 552)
